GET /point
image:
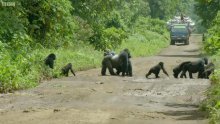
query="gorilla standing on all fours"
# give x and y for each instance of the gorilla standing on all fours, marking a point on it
(156, 70)
(49, 60)
(179, 69)
(117, 61)
(209, 69)
(194, 67)
(65, 70)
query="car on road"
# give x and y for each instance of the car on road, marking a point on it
(179, 33)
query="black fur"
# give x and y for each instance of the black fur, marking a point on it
(179, 69)
(209, 69)
(117, 61)
(128, 72)
(156, 70)
(65, 70)
(194, 67)
(49, 60)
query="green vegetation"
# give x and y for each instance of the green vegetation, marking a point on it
(211, 20)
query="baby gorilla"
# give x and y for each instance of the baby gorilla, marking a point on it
(156, 70)
(209, 69)
(65, 70)
(49, 60)
(179, 69)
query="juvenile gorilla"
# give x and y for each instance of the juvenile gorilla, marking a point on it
(49, 60)
(65, 70)
(116, 61)
(156, 70)
(194, 67)
(128, 72)
(179, 69)
(209, 69)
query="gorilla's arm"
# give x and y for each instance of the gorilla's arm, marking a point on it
(164, 71)
(72, 71)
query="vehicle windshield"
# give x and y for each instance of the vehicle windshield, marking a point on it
(180, 30)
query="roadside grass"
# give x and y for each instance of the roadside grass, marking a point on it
(146, 44)
(212, 103)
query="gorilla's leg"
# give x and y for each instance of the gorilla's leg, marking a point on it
(190, 75)
(124, 66)
(103, 69)
(129, 69)
(110, 68)
(118, 70)
(184, 73)
(157, 74)
(149, 73)
(201, 70)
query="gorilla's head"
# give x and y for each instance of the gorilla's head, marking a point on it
(52, 56)
(161, 64)
(127, 51)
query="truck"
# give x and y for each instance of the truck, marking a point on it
(180, 28)
(179, 33)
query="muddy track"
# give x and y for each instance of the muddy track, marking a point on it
(90, 98)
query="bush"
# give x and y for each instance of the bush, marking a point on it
(109, 38)
(212, 103)
(212, 43)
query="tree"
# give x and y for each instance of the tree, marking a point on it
(207, 10)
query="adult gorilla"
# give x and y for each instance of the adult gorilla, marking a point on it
(194, 67)
(117, 61)
(49, 60)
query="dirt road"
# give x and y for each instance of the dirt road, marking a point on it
(90, 98)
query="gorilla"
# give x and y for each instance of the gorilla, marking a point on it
(108, 52)
(65, 70)
(49, 60)
(179, 69)
(194, 67)
(128, 72)
(209, 69)
(117, 61)
(156, 70)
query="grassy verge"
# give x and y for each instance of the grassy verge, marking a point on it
(145, 44)
(212, 103)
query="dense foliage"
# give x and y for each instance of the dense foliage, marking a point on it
(212, 42)
(208, 10)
